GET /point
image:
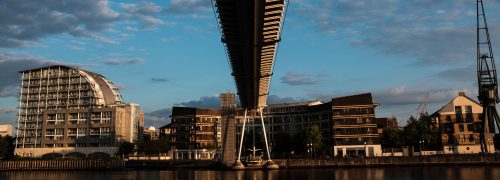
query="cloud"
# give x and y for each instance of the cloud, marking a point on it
(430, 32)
(145, 13)
(203, 102)
(402, 101)
(161, 117)
(159, 79)
(274, 99)
(157, 118)
(5, 110)
(124, 61)
(24, 22)
(401, 96)
(188, 6)
(466, 73)
(11, 64)
(297, 79)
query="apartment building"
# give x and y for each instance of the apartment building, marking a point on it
(459, 123)
(65, 110)
(354, 125)
(195, 133)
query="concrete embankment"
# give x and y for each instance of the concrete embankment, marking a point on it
(62, 165)
(172, 164)
(115, 164)
(455, 160)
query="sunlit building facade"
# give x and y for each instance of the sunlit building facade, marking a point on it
(347, 124)
(459, 124)
(5, 130)
(69, 110)
(195, 132)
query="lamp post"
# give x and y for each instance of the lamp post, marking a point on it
(366, 152)
(423, 144)
(309, 150)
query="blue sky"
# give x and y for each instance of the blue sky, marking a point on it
(165, 53)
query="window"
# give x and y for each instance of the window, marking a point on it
(461, 128)
(448, 118)
(458, 113)
(471, 127)
(359, 120)
(468, 113)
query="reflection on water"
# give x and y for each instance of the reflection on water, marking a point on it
(410, 173)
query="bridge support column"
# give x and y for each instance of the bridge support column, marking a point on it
(237, 164)
(270, 164)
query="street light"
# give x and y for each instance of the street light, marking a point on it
(309, 149)
(366, 153)
(421, 146)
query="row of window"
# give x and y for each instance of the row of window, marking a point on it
(50, 73)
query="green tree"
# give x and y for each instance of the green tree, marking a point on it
(314, 137)
(391, 138)
(422, 130)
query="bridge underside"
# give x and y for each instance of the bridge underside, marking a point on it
(251, 32)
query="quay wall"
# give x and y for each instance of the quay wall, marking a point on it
(62, 165)
(116, 164)
(391, 161)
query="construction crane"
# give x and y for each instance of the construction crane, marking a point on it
(422, 107)
(487, 81)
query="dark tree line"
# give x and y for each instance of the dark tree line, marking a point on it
(146, 147)
(418, 133)
(6, 147)
(308, 139)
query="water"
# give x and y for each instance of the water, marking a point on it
(399, 173)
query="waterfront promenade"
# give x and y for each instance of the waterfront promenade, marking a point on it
(117, 164)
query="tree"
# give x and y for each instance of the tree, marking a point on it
(6, 147)
(421, 130)
(391, 138)
(125, 148)
(314, 137)
(153, 147)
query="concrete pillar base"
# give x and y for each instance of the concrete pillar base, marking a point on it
(238, 165)
(271, 165)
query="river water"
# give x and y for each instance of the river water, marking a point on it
(396, 173)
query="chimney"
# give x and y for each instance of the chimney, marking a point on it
(461, 93)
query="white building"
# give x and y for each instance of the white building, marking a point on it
(5, 129)
(66, 111)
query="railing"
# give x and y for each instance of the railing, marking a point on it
(61, 164)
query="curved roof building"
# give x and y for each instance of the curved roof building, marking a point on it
(62, 107)
(67, 87)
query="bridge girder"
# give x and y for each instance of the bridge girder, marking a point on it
(251, 32)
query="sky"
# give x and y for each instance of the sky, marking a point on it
(168, 53)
